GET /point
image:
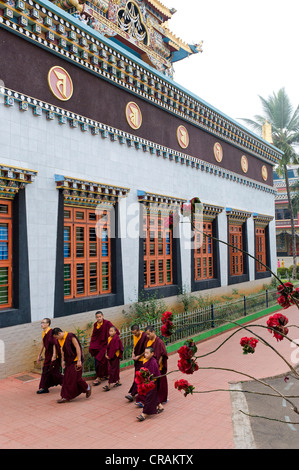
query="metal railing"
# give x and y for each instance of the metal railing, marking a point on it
(188, 324)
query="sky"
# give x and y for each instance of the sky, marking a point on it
(250, 49)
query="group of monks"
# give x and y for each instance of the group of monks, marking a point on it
(62, 350)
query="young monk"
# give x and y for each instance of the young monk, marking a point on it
(72, 357)
(51, 375)
(98, 347)
(113, 355)
(139, 342)
(160, 354)
(151, 400)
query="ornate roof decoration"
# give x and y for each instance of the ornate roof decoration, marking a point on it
(141, 25)
(104, 131)
(161, 8)
(49, 27)
(12, 179)
(89, 193)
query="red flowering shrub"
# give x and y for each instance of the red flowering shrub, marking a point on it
(184, 385)
(187, 363)
(276, 325)
(167, 327)
(143, 379)
(248, 345)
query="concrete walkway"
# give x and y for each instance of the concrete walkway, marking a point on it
(107, 421)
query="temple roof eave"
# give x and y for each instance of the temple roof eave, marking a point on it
(161, 8)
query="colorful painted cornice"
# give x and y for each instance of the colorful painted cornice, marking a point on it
(144, 196)
(237, 215)
(210, 211)
(49, 27)
(64, 117)
(262, 220)
(88, 193)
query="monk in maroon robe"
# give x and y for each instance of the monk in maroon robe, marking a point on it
(51, 375)
(113, 354)
(139, 342)
(151, 400)
(98, 347)
(161, 355)
(72, 358)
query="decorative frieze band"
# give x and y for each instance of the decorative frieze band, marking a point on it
(237, 216)
(58, 32)
(210, 212)
(144, 196)
(12, 179)
(262, 220)
(75, 121)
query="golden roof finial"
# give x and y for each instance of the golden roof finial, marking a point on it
(267, 132)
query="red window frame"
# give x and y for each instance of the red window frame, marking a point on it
(87, 269)
(260, 248)
(6, 262)
(236, 256)
(158, 249)
(203, 250)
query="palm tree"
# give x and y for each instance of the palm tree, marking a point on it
(278, 111)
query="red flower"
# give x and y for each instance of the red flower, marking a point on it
(166, 329)
(187, 363)
(276, 325)
(166, 316)
(143, 379)
(184, 385)
(167, 326)
(185, 352)
(144, 388)
(187, 367)
(286, 294)
(248, 345)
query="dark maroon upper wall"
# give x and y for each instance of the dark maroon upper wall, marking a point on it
(25, 67)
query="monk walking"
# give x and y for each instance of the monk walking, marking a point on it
(98, 346)
(113, 354)
(151, 400)
(160, 354)
(51, 375)
(140, 340)
(72, 357)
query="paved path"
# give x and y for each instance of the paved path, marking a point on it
(107, 421)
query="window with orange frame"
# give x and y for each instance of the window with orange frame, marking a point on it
(260, 248)
(158, 247)
(203, 250)
(5, 253)
(236, 256)
(87, 252)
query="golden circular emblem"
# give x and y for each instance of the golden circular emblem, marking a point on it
(264, 173)
(133, 115)
(182, 136)
(218, 152)
(244, 164)
(60, 83)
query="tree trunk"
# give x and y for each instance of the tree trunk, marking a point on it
(292, 223)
